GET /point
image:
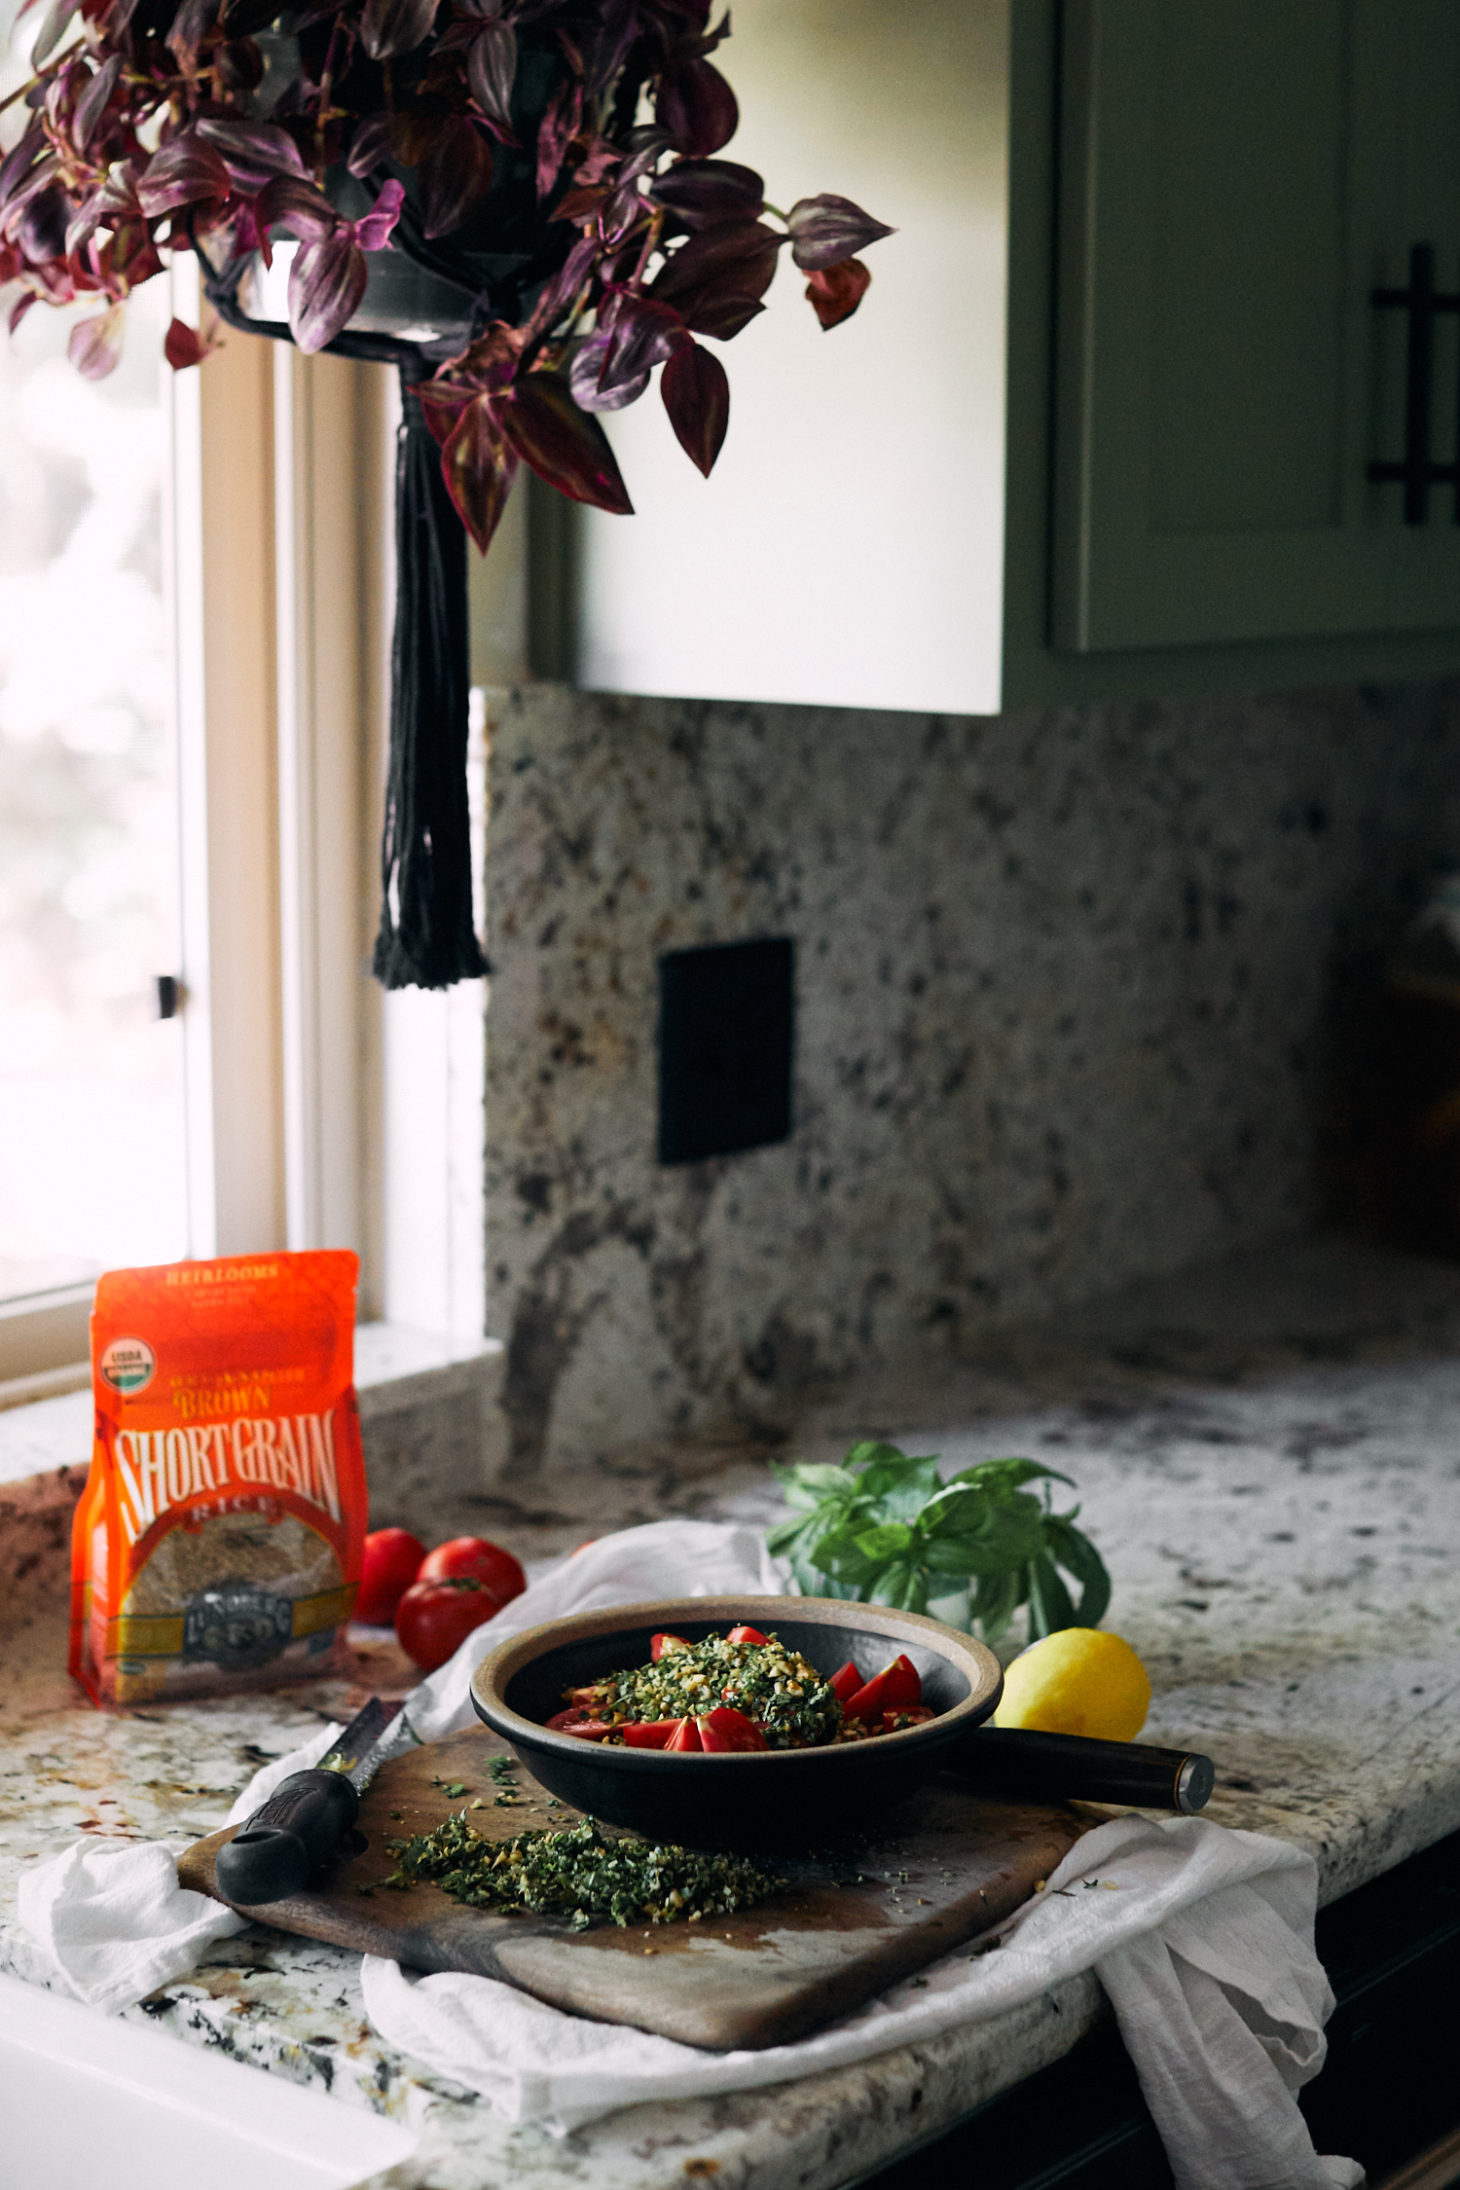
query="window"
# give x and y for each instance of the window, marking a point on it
(293, 1104)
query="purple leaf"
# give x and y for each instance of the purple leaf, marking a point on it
(43, 224)
(253, 152)
(22, 159)
(84, 222)
(183, 346)
(326, 283)
(716, 280)
(479, 467)
(641, 334)
(836, 291)
(191, 25)
(696, 395)
(703, 191)
(388, 27)
(19, 309)
(456, 175)
(697, 107)
(491, 69)
(373, 233)
(585, 379)
(826, 230)
(185, 172)
(245, 18)
(370, 147)
(94, 101)
(52, 31)
(565, 447)
(290, 203)
(556, 132)
(96, 344)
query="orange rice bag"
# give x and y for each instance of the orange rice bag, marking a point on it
(217, 1543)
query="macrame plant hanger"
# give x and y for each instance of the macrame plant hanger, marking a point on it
(427, 938)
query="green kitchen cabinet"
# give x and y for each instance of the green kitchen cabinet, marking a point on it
(1104, 425)
(1236, 179)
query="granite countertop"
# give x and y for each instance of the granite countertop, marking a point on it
(1268, 1454)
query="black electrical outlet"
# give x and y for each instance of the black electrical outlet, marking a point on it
(726, 1022)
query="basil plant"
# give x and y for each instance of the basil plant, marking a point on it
(885, 1528)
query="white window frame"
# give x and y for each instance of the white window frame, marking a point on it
(319, 1111)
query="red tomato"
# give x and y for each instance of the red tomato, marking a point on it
(472, 1558)
(649, 1733)
(893, 1689)
(685, 1736)
(434, 1617)
(726, 1729)
(575, 1720)
(845, 1683)
(745, 1635)
(391, 1563)
(658, 1644)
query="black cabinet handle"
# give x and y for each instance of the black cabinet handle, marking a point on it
(1071, 1767)
(295, 1833)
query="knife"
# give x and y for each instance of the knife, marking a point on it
(304, 1823)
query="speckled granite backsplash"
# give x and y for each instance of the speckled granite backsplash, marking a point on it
(1065, 986)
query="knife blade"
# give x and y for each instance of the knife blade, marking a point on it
(301, 1827)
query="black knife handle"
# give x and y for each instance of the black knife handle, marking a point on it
(1071, 1767)
(295, 1833)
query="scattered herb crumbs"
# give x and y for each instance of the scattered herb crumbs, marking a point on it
(501, 1769)
(500, 1802)
(578, 1873)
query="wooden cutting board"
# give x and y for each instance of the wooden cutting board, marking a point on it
(845, 1924)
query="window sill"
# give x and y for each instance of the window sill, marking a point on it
(397, 1370)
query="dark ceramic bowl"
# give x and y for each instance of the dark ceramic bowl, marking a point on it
(762, 1799)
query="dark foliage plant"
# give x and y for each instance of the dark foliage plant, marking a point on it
(558, 161)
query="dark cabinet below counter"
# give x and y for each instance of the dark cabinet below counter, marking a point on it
(1388, 2091)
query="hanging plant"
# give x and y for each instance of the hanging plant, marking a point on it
(519, 202)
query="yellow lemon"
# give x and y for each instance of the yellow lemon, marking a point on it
(1078, 1681)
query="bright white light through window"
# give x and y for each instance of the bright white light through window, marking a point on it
(91, 1109)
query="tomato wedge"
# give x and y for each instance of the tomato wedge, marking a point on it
(658, 1644)
(746, 1635)
(686, 1735)
(845, 1682)
(576, 1721)
(907, 1714)
(893, 1689)
(726, 1729)
(649, 1733)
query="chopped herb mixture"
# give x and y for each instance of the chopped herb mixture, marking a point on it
(774, 1685)
(578, 1873)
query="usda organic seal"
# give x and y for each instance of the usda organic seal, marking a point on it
(127, 1364)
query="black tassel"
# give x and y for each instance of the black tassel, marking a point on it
(427, 939)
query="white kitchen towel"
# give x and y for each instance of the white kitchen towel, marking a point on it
(109, 1916)
(1202, 1937)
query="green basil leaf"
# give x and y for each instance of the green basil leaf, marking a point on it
(995, 1602)
(951, 1555)
(1050, 1607)
(900, 1487)
(903, 1586)
(1000, 1475)
(1078, 1556)
(840, 1556)
(890, 1540)
(784, 1536)
(870, 1449)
